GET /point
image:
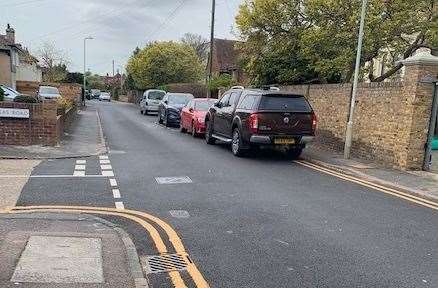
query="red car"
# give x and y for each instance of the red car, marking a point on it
(193, 116)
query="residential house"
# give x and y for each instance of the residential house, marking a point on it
(16, 63)
(226, 60)
(9, 58)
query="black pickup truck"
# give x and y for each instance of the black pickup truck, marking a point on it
(250, 118)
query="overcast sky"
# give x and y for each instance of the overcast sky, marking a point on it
(118, 26)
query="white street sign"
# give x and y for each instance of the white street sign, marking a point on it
(14, 113)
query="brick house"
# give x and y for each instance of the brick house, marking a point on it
(226, 60)
(16, 63)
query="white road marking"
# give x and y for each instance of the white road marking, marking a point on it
(103, 157)
(79, 167)
(113, 182)
(79, 173)
(104, 161)
(120, 206)
(106, 167)
(53, 176)
(116, 193)
(81, 161)
(108, 173)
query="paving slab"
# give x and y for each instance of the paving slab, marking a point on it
(66, 250)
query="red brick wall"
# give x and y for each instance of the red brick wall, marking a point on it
(40, 128)
(69, 91)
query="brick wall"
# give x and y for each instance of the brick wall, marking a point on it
(69, 91)
(390, 121)
(40, 128)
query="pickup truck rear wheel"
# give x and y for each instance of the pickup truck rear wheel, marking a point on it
(209, 133)
(237, 143)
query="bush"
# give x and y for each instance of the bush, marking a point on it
(221, 81)
(2, 95)
(25, 99)
(64, 103)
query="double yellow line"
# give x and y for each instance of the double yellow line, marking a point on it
(143, 219)
(408, 197)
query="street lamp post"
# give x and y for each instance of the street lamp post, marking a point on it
(85, 62)
(349, 132)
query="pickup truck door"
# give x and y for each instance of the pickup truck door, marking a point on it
(218, 123)
(228, 113)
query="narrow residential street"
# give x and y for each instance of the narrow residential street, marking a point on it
(261, 221)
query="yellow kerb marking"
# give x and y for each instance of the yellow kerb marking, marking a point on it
(387, 190)
(171, 233)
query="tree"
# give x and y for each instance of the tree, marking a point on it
(221, 81)
(74, 77)
(198, 43)
(162, 63)
(95, 81)
(2, 94)
(54, 61)
(299, 41)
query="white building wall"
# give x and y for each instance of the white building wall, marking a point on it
(29, 72)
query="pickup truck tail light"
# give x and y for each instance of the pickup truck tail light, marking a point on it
(314, 122)
(253, 123)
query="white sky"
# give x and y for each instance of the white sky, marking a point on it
(118, 26)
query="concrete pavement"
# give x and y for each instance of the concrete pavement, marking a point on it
(253, 222)
(83, 138)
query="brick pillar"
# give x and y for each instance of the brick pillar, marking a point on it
(418, 97)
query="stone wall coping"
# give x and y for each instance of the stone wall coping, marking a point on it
(421, 58)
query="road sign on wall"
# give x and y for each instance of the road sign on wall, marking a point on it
(14, 113)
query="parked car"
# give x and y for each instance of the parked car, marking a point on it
(169, 109)
(105, 96)
(150, 101)
(9, 93)
(48, 93)
(252, 118)
(193, 116)
(95, 93)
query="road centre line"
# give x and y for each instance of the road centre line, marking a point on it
(106, 167)
(171, 234)
(116, 194)
(374, 186)
(113, 182)
(103, 157)
(104, 161)
(108, 173)
(79, 167)
(81, 161)
(120, 206)
(77, 173)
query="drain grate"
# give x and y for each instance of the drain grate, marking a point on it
(165, 263)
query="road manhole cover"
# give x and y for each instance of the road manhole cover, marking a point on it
(60, 260)
(173, 180)
(165, 263)
(179, 213)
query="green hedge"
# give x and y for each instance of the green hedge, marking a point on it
(2, 95)
(25, 99)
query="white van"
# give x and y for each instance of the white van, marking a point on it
(150, 101)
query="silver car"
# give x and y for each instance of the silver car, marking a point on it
(48, 93)
(150, 101)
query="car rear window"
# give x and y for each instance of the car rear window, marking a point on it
(49, 90)
(291, 103)
(156, 95)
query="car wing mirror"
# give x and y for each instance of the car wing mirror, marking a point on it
(217, 104)
(166, 102)
(191, 110)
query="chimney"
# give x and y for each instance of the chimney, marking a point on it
(10, 34)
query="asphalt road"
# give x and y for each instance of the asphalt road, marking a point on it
(261, 221)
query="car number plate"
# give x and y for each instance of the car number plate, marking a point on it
(284, 141)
